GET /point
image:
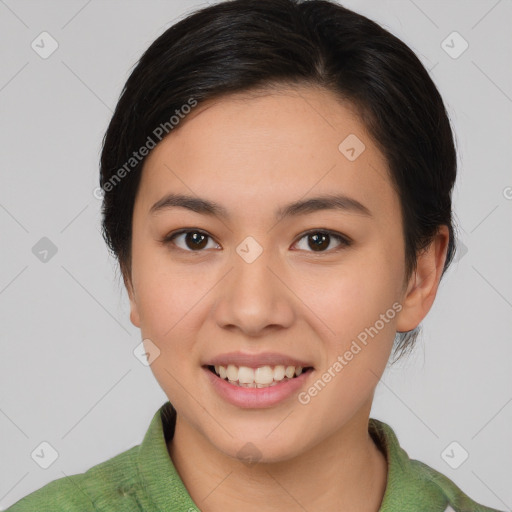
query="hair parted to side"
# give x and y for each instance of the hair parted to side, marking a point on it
(244, 45)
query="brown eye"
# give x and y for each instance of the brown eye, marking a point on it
(191, 240)
(319, 241)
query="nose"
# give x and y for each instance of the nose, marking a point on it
(254, 297)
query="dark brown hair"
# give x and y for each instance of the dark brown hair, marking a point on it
(244, 45)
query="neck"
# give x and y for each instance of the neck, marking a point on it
(344, 472)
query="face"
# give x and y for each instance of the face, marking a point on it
(255, 284)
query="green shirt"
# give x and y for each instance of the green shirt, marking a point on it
(143, 478)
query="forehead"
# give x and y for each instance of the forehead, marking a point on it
(271, 145)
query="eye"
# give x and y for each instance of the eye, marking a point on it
(320, 239)
(193, 239)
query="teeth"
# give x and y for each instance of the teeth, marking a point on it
(232, 372)
(245, 375)
(279, 372)
(290, 371)
(262, 377)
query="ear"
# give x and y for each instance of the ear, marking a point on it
(134, 311)
(424, 282)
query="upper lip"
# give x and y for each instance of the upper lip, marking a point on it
(255, 360)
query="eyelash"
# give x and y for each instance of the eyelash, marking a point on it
(344, 240)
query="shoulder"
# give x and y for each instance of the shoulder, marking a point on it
(412, 484)
(456, 499)
(106, 483)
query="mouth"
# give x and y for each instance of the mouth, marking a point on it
(261, 377)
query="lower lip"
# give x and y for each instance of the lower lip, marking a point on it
(254, 398)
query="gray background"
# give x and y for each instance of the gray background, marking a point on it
(68, 373)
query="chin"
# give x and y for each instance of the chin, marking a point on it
(258, 448)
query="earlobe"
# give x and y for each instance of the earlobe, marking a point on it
(134, 314)
(134, 311)
(424, 282)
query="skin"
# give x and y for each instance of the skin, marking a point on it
(252, 154)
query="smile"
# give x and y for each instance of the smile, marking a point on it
(261, 377)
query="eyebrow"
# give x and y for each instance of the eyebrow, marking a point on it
(314, 204)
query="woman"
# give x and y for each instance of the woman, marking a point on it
(278, 179)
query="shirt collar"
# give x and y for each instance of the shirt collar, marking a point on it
(160, 479)
(407, 480)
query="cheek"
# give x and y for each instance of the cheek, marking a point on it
(359, 305)
(166, 300)
(356, 294)
(156, 292)
(165, 292)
